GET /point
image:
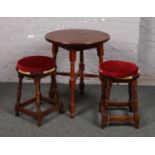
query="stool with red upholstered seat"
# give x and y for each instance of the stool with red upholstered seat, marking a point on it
(36, 68)
(119, 71)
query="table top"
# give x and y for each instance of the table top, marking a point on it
(77, 37)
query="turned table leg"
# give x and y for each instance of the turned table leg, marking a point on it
(58, 102)
(72, 83)
(54, 55)
(81, 67)
(100, 52)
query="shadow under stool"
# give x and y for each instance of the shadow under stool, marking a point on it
(115, 71)
(36, 68)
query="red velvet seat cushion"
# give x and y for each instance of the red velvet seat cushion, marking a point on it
(118, 69)
(35, 64)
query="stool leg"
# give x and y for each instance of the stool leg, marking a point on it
(108, 92)
(81, 67)
(105, 102)
(134, 101)
(103, 85)
(19, 88)
(52, 90)
(38, 100)
(109, 85)
(104, 105)
(58, 102)
(129, 91)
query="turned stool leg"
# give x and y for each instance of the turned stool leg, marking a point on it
(103, 84)
(38, 100)
(52, 90)
(58, 102)
(134, 101)
(129, 92)
(109, 85)
(19, 88)
(81, 67)
(105, 102)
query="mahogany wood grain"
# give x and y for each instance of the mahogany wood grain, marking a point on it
(56, 104)
(106, 83)
(77, 40)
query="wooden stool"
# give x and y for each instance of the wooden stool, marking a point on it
(119, 72)
(36, 68)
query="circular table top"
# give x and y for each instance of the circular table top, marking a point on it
(77, 37)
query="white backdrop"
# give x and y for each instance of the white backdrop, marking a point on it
(25, 36)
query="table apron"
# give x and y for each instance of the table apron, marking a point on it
(79, 48)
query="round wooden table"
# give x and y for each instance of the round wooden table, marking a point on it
(77, 40)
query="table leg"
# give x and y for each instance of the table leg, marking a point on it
(54, 51)
(72, 83)
(100, 52)
(81, 67)
(54, 55)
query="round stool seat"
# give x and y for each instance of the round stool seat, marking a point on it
(35, 64)
(118, 69)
